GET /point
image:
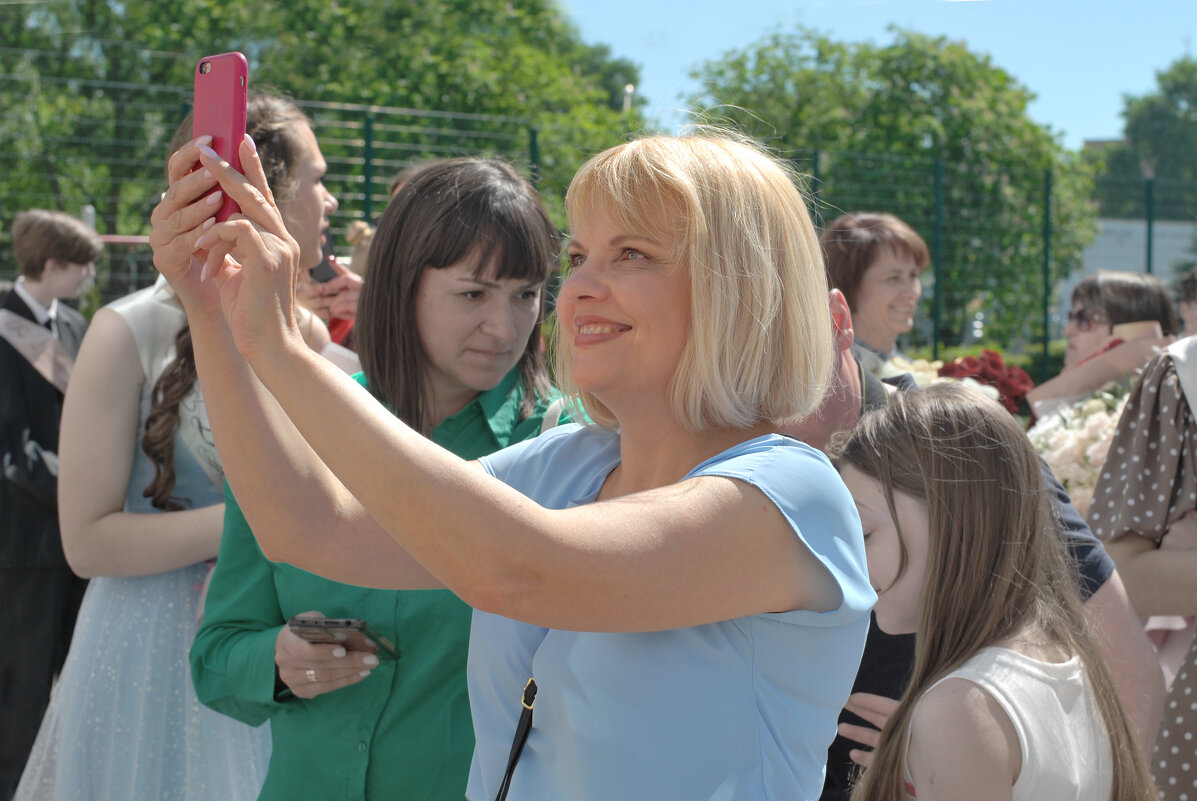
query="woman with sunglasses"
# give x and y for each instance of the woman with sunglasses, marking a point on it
(1117, 321)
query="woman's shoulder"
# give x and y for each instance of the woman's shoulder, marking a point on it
(155, 317)
(149, 306)
(960, 734)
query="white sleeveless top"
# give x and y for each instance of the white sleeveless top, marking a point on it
(1065, 748)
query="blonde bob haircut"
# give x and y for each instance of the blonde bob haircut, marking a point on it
(760, 345)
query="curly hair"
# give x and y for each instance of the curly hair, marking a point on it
(158, 442)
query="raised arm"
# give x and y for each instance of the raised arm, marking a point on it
(100, 427)
(263, 456)
(1113, 365)
(704, 550)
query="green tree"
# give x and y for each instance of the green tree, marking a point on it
(1160, 132)
(517, 58)
(926, 129)
(91, 90)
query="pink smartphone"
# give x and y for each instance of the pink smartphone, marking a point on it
(219, 110)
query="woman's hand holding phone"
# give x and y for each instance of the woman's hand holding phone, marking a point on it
(252, 259)
(185, 212)
(311, 669)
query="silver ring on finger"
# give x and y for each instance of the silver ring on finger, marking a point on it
(311, 674)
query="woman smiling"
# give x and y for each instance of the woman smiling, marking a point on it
(687, 588)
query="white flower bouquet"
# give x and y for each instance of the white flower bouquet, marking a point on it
(1075, 439)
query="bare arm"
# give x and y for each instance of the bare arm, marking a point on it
(1113, 365)
(962, 746)
(703, 550)
(100, 427)
(1159, 581)
(1132, 661)
(707, 549)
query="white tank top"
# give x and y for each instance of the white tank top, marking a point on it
(1065, 748)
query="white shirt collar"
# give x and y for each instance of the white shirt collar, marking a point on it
(39, 311)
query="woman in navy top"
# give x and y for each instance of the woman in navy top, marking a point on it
(688, 588)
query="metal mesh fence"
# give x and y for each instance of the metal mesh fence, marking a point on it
(997, 235)
(103, 157)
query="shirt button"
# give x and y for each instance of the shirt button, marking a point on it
(361, 747)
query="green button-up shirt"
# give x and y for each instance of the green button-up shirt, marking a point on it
(403, 732)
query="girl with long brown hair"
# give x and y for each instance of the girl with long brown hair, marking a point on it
(1009, 697)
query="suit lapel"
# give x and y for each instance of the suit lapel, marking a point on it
(17, 306)
(70, 331)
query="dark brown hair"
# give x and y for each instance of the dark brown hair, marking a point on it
(39, 235)
(447, 212)
(273, 123)
(994, 562)
(854, 241)
(1122, 297)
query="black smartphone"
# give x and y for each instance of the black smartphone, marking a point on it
(324, 270)
(354, 634)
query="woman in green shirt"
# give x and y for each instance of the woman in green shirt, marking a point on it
(447, 331)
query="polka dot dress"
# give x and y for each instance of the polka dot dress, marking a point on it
(1149, 480)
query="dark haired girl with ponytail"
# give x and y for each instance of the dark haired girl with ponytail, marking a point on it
(141, 503)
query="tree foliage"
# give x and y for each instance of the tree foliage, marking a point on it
(91, 90)
(1160, 142)
(924, 128)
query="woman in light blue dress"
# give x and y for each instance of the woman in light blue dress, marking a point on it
(141, 509)
(687, 588)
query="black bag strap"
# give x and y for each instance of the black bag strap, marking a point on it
(521, 736)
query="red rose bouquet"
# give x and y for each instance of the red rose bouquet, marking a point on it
(1011, 382)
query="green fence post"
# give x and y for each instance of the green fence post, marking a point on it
(368, 166)
(937, 261)
(534, 154)
(1047, 271)
(1149, 202)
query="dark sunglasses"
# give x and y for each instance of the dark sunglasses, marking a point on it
(1085, 318)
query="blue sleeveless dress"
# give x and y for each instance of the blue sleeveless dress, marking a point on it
(124, 723)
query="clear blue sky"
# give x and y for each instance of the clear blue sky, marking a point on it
(1079, 57)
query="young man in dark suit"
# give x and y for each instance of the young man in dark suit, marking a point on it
(39, 595)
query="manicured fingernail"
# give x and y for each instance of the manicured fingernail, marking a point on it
(200, 243)
(206, 139)
(338, 651)
(370, 659)
(214, 198)
(249, 140)
(206, 173)
(209, 152)
(364, 673)
(204, 273)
